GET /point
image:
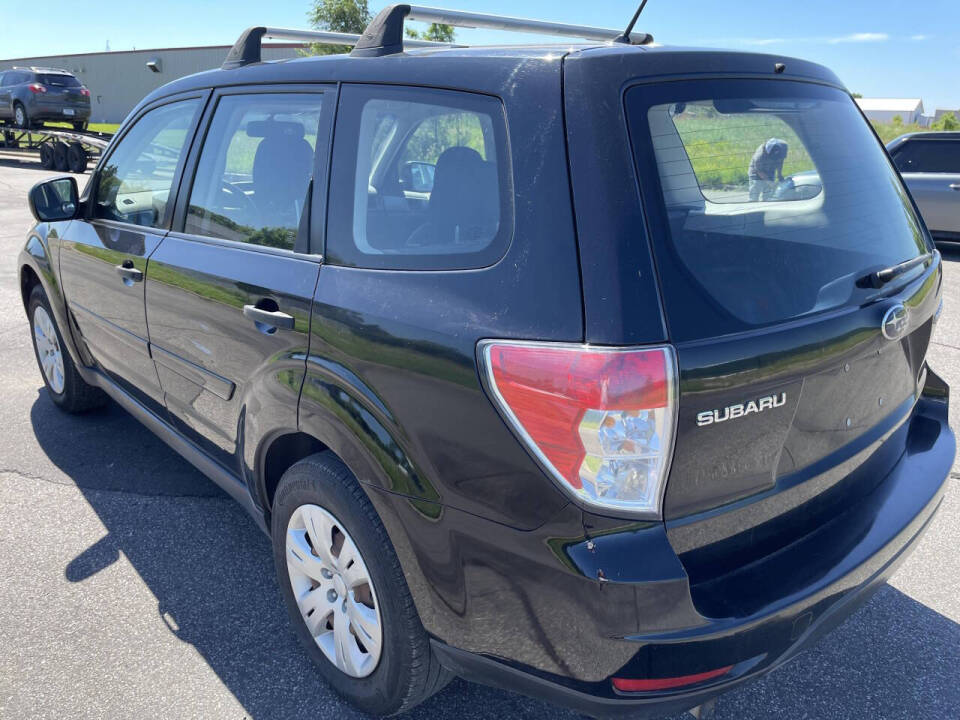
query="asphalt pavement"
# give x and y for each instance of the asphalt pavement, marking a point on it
(130, 585)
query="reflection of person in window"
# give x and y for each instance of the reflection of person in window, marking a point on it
(766, 168)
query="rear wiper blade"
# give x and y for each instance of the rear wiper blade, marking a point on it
(882, 277)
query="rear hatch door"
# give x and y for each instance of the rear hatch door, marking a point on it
(772, 208)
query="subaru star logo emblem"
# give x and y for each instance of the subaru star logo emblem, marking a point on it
(894, 322)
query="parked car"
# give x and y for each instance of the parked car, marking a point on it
(497, 351)
(34, 95)
(930, 165)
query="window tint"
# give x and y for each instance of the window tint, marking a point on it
(932, 156)
(58, 80)
(421, 180)
(253, 175)
(134, 184)
(738, 247)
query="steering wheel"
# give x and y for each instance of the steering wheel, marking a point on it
(249, 208)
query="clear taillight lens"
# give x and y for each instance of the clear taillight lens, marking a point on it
(600, 420)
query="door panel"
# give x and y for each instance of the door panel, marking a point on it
(938, 197)
(107, 308)
(210, 356)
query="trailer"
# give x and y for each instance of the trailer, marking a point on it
(60, 149)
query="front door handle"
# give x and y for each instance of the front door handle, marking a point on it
(955, 186)
(268, 320)
(129, 273)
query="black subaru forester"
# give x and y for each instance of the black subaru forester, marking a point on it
(593, 371)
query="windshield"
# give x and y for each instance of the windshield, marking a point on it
(775, 197)
(58, 80)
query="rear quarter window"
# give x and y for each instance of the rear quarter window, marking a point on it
(420, 180)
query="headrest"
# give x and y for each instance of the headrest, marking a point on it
(274, 128)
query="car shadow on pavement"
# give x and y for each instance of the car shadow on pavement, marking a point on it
(211, 571)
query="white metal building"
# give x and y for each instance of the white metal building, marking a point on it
(119, 80)
(884, 110)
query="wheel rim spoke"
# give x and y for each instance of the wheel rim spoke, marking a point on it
(366, 624)
(334, 591)
(301, 558)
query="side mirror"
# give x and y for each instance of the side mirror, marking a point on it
(417, 176)
(54, 200)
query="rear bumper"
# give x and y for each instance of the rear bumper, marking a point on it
(55, 111)
(899, 511)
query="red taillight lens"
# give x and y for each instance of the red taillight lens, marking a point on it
(84, 92)
(652, 684)
(600, 419)
(37, 88)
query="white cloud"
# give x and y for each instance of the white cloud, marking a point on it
(859, 38)
(763, 41)
(919, 37)
(863, 37)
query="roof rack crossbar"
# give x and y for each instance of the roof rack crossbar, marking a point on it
(248, 46)
(384, 34)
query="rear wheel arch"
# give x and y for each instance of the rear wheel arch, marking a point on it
(277, 455)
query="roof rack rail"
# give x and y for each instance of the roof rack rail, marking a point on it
(384, 34)
(246, 49)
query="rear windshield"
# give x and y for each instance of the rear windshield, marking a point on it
(58, 80)
(773, 199)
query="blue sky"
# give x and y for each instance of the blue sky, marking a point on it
(881, 48)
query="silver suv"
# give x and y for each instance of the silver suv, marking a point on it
(930, 165)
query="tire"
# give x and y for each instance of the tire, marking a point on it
(60, 159)
(46, 157)
(80, 126)
(65, 387)
(20, 117)
(76, 158)
(320, 492)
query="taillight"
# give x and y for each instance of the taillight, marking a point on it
(84, 92)
(600, 420)
(37, 88)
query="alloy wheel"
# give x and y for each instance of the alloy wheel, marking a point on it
(334, 591)
(48, 348)
(20, 116)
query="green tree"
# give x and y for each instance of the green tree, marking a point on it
(434, 33)
(346, 16)
(857, 95)
(948, 122)
(353, 16)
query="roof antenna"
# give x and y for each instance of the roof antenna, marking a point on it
(625, 38)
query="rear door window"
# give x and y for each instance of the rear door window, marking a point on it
(421, 180)
(254, 171)
(928, 156)
(775, 199)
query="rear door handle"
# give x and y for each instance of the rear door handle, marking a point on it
(955, 186)
(271, 318)
(128, 272)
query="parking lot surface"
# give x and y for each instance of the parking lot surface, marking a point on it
(131, 585)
